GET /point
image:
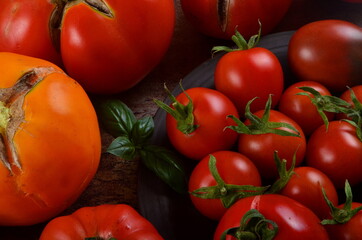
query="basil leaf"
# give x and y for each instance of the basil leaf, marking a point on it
(142, 131)
(115, 117)
(166, 165)
(123, 147)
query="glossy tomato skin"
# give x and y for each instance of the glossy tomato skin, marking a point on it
(54, 154)
(112, 54)
(246, 74)
(336, 152)
(346, 96)
(347, 231)
(306, 185)
(210, 19)
(233, 168)
(301, 109)
(329, 52)
(211, 109)
(119, 221)
(24, 23)
(294, 220)
(260, 148)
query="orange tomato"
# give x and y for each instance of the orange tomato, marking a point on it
(50, 140)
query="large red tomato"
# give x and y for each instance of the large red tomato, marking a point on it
(50, 140)
(106, 45)
(329, 52)
(220, 18)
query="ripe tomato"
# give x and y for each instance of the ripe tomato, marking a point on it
(259, 148)
(221, 18)
(346, 96)
(206, 133)
(300, 107)
(294, 220)
(329, 52)
(101, 222)
(336, 152)
(233, 168)
(49, 155)
(305, 186)
(244, 74)
(104, 44)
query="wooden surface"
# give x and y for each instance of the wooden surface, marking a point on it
(116, 179)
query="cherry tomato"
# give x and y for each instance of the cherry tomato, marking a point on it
(118, 221)
(300, 107)
(337, 152)
(221, 18)
(259, 148)
(346, 96)
(233, 168)
(50, 144)
(329, 52)
(104, 44)
(241, 75)
(305, 186)
(294, 220)
(207, 133)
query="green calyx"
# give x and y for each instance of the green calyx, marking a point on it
(262, 125)
(183, 114)
(241, 43)
(4, 117)
(253, 226)
(341, 215)
(227, 193)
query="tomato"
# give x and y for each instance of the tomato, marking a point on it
(300, 107)
(294, 220)
(346, 96)
(49, 155)
(329, 52)
(103, 44)
(305, 186)
(119, 221)
(337, 152)
(220, 18)
(259, 148)
(233, 168)
(244, 74)
(208, 109)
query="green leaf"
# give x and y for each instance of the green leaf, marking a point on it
(166, 165)
(142, 131)
(123, 147)
(115, 117)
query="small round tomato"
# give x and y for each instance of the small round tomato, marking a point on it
(346, 96)
(329, 52)
(337, 152)
(200, 128)
(241, 75)
(294, 220)
(300, 107)
(233, 168)
(305, 186)
(50, 140)
(118, 221)
(221, 18)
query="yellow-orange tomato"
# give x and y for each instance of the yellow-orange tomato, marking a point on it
(50, 140)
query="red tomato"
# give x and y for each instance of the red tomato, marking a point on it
(346, 96)
(233, 168)
(294, 220)
(260, 148)
(336, 152)
(349, 230)
(101, 222)
(300, 107)
(305, 186)
(210, 111)
(244, 74)
(105, 45)
(221, 18)
(327, 51)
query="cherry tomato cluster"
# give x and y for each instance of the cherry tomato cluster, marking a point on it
(296, 147)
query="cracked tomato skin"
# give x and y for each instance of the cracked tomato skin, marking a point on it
(55, 148)
(119, 221)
